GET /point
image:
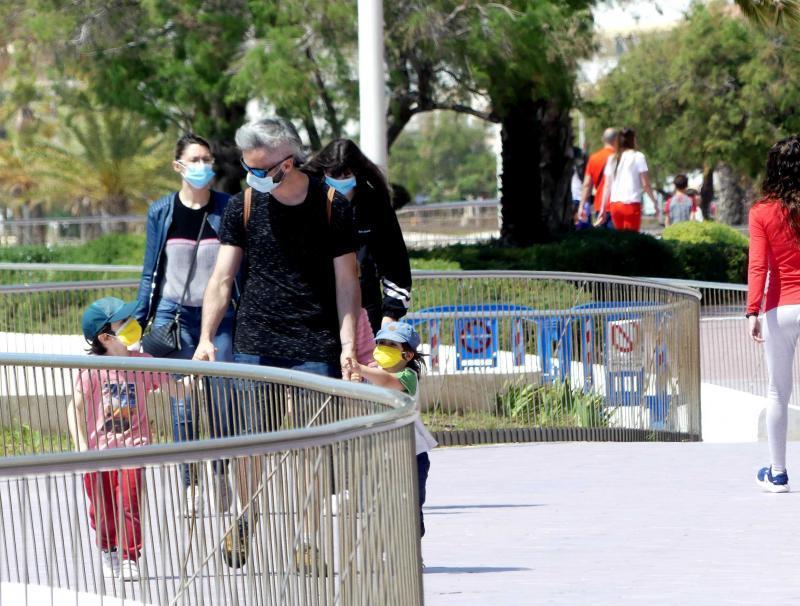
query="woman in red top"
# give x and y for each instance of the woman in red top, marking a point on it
(775, 250)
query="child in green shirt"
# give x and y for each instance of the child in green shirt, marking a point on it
(400, 365)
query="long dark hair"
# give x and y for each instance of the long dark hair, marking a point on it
(626, 139)
(782, 179)
(417, 363)
(342, 156)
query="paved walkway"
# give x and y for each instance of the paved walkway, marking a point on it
(608, 524)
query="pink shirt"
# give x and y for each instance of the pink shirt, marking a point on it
(116, 414)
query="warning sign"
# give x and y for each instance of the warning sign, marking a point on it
(475, 342)
(625, 346)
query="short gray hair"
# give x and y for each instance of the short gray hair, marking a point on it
(273, 134)
(609, 135)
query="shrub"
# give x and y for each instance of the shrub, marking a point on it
(434, 264)
(554, 405)
(709, 251)
(706, 232)
(699, 251)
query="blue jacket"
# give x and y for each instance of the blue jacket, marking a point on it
(159, 218)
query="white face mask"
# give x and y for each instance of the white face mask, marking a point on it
(261, 184)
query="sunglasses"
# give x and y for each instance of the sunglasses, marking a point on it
(263, 172)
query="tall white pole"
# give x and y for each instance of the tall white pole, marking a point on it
(372, 87)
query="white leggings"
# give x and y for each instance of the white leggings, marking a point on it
(781, 328)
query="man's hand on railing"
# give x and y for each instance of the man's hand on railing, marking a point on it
(205, 351)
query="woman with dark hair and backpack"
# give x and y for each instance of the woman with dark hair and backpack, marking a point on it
(385, 272)
(775, 251)
(626, 177)
(180, 254)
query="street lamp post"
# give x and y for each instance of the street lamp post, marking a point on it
(372, 99)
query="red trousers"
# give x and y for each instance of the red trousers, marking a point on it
(114, 510)
(626, 215)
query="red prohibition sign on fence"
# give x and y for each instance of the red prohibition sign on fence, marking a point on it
(622, 340)
(469, 331)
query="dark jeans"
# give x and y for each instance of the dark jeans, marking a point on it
(185, 426)
(261, 410)
(423, 467)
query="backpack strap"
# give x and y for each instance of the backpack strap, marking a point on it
(248, 204)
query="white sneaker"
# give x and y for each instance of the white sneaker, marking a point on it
(223, 492)
(110, 561)
(193, 500)
(129, 570)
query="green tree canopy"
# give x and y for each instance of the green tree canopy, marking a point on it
(446, 158)
(714, 89)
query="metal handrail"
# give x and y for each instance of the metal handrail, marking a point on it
(460, 204)
(401, 412)
(687, 287)
(7, 266)
(10, 289)
(558, 275)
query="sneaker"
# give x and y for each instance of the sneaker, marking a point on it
(110, 562)
(237, 544)
(304, 559)
(773, 483)
(223, 492)
(193, 500)
(129, 570)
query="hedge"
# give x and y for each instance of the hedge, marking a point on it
(693, 252)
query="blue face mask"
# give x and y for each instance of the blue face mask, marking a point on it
(343, 186)
(261, 184)
(198, 175)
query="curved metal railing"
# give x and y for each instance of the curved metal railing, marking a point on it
(321, 472)
(507, 351)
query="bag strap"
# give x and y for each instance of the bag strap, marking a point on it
(193, 265)
(329, 206)
(248, 204)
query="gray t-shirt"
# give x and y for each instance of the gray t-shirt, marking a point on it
(179, 250)
(680, 208)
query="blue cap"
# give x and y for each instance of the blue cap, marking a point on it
(105, 311)
(399, 332)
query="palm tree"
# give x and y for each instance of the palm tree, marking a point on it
(771, 13)
(113, 159)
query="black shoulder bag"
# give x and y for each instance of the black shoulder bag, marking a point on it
(161, 341)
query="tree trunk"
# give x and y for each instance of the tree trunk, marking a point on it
(230, 173)
(536, 172)
(707, 190)
(117, 205)
(730, 196)
(520, 177)
(557, 165)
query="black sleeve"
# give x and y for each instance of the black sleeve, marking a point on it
(388, 249)
(343, 229)
(231, 230)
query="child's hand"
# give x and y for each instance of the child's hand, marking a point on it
(353, 370)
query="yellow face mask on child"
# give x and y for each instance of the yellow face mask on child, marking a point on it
(129, 333)
(387, 356)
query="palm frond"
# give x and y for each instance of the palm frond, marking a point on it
(783, 14)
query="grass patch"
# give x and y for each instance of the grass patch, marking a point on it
(438, 421)
(23, 440)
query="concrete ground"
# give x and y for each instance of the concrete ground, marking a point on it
(608, 523)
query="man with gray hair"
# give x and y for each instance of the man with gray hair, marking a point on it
(594, 180)
(300, 297)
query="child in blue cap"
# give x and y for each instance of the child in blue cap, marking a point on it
(107, 410)
(400, 365)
